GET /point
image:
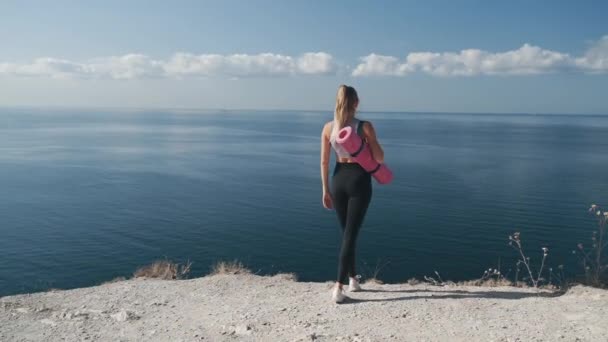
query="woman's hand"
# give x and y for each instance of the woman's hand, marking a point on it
(327, 202)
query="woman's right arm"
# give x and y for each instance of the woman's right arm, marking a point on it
(372, 141)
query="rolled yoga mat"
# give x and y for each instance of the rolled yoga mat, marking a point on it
(359, 151)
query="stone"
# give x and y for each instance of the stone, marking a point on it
(242, 329)
(48, 322)
(124, 315)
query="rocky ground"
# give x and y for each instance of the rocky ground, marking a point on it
(255, 308)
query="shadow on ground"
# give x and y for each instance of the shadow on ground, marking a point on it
(453, 294)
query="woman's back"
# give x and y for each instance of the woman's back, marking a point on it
(341, 154)
(364, 129)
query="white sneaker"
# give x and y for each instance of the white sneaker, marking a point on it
(338, 295)
(353, 285)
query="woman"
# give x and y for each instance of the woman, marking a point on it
(351, 188)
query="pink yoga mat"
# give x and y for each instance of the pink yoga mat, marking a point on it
(360, 152)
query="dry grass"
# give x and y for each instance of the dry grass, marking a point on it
(373, 281)
(414, 281)
(163, 269)
(486, 282)
(593, 256)
(287, 276)
(229, 267)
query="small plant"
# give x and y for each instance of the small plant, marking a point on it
(493, 277)
(490, 278)
(560, 279)
(164, 269)
(413, 281)
(287, 276)
(229, 267)
(534, 279)
(373, 281)
(374, 274)
(434, 281)
(592, 258)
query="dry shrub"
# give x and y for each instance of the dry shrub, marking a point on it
(413, 281)
(229, 267)
(373, 281)
(494, 282)
(593, 257)
(287, 276)
(163, 269)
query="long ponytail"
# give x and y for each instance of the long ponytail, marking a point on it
(346, 105)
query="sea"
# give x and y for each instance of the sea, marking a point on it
(89, 195)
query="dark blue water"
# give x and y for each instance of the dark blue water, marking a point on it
(86, 196)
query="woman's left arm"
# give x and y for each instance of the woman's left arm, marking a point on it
(325, 150)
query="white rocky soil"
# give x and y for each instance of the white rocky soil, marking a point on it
(255, 308)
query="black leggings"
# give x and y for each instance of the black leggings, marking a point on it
(351, 193)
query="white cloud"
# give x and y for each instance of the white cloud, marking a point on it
(131, 66)
(189, 64)
(242, 65)
(596, 57)
(315, 63)
(237, 65)
(136, 66)
(374, 64)
(51, 67)
(526, 60)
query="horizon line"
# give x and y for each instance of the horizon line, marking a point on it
(207, 109)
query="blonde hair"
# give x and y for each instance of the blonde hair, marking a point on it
(346, 105)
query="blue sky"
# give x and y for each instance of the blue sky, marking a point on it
(454, 56)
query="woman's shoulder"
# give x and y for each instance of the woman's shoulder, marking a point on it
(327, 127)
(368, 129)
(365, 124)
